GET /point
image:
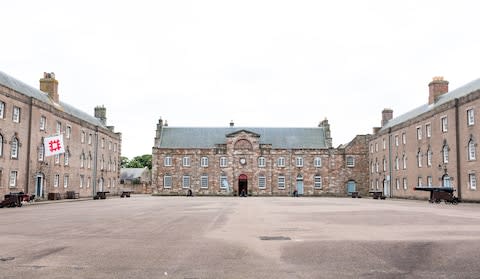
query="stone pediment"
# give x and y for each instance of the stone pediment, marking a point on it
(244, 131)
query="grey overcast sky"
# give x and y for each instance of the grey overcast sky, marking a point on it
(268, 63)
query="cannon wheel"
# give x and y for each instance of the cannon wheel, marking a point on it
(438, 200)
(455, 201)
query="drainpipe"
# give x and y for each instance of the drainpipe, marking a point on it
(95, 157)
(390, 162)
(457, 139)
(27, 173)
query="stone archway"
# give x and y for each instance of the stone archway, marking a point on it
(242, 185)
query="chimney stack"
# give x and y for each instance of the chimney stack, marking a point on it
(101, 114)
(49, 85)
(231, 123)
(436, 88)
(387, 114)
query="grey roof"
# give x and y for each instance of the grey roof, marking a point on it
(30, 91)
(457, 93)
(131, 173)
(201, 137)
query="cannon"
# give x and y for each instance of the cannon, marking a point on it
(439, 194)
(14, 199)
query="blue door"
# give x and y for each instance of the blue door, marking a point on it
(351, 187)
(300, 187)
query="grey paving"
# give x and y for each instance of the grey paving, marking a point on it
(215, 237)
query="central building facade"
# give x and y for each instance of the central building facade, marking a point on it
(257, 161)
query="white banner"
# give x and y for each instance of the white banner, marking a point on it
(53, 145)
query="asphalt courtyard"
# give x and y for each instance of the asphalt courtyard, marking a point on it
(218, 237)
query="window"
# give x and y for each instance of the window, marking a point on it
(405, 184)
(13, 179)
(82, 160)
(384, 163)
(371, 148)
(16, 115)
(102, 143)
(82, 180)
(1, 145)
(404, 138)
(444, 124)
(429, 157)
(82, 137)
(397, 184)
(14, 150)
(472, 181)
(89, 138)
(470, 117)
(397, 163)
(384, 144)
(41, 153)
(43, 123)
(317, 162)
(2, 110)
(471, 150)
(376, 147)
(110, 145)
(317, 182)
(445, 153)
(350, 161)
(377, 184)
(223, 162)
(204, 181)
(114, 147)
(57, 159)
(429, 181)
(58, 128)
(186, 181)
(223, 182)
(65, 181)
(68, 132)
(114, 165)
(89, 161)
(281, 162)
(404, 160)
(428, 130)
(167, 162)
(419, 159)
(262, 182)
(376, 166)
(66, 158)
(299, 161)
(446, 181)
(56, 180)
(204, 162)
(186, 161)
(396, 140)
(419, 133)
(419, 181)
(167, 181)
(281, 182)
(88, 182)
(261, 162)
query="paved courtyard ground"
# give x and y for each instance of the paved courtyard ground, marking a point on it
(218, 237)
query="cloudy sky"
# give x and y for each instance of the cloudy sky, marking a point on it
(259, 63)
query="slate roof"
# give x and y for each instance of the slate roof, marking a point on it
(131, 173)
(457, 93)
(208, 137)
(30, 91)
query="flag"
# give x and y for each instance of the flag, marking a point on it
(53, 145)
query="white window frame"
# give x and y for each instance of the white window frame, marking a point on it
(384, 144)
(419, 132)
(419, 181)
(14, 150)
(262, 182)
(299, 161)
(472, 153)
(405, 185)
(66, 180)
(167, 181)
(223, 162)
(444, 124)
(350, 161)
(41, 153)
(419, 159)
(2, 110)
(317, 162)
(90, 136)
(16, 114)
(186, 161)
(317, 182)
(470, 117)
(281, 182)
(445, 154)
(58, 127)
(397, 163)
(396, 140)
(472, 181)
(56, 159)
(223, 178)
(204, 181)
(168, 161)
(281, 161)
(397, 183)
(68, 131)
(1, 145)
(261, 162)
(88, 182)
(404, 161)
(429, 181)
(186, 182)
(43, 123)
(404, 138)
(82, 180)
(428, 130)
(204, 162)
(384, 163)
(82, 137)
(13, 179)
(56, 180)
(82, 160)
(66, 158)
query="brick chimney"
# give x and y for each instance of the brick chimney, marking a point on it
(436, 88)
(387, 114)
(49, 85)
(101, 114)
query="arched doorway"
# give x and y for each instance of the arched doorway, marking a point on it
(299, 184)
(39, 185)
(242, 185)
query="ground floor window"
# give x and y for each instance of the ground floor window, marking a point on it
(281, 182)
(262, 182)
(167, 181)
(204, 181)
(13, 179)
(472, 181)
(318, 181)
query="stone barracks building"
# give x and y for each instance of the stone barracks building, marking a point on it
(433, 145)
(27, 115)
(258, 161)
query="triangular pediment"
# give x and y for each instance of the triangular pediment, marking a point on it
(249, 133)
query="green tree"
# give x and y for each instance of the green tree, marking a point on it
(141, 162)
(124, 162)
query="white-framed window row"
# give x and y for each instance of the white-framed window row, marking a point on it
(204, 181)
(262, 182)
(444, 124)
(223, 162)
(299, 161)
(281, 182)
(168, 161)
(167, 181)
(472, 181)
(317, 182)
(281, 162)
(470, 117)
(317, 162)
(261, 162)
(204, 162)
(16, 115)
(186, 161)
(13, 179)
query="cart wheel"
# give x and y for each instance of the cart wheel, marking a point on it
(19, 204)
(438, 201)
(455, 201)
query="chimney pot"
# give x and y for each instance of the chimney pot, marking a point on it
(49, 85)
(437, 87)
